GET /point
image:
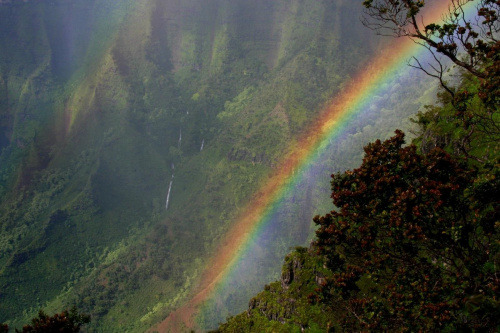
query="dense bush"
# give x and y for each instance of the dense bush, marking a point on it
(414, 244)
(68, 321)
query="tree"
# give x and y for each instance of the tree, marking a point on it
(415, 243)
(471, 44)
(463, 41)
(68, 321)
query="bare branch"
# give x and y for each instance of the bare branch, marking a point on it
(438, 73)
(401, 19)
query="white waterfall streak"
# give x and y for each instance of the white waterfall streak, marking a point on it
(168, 193)
(202, 144)
(180, 137)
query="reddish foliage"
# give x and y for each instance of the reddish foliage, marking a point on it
(68, 321)
(410, 241)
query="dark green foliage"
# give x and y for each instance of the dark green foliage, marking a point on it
(464, 124)
(68, 321)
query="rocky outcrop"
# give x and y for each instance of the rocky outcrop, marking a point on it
(291, 271)
(284, 301)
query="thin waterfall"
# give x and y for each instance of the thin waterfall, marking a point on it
(168, 193)
(202, 144)
(180, 137)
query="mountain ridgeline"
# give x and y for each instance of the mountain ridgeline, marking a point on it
(133, 133)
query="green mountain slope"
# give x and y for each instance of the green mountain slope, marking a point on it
(106, 105)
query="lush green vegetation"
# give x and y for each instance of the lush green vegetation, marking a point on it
(90, 122)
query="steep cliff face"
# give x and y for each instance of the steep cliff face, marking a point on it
(104, 104)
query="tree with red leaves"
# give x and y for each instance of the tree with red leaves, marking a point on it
(414, 245)
(65, 322)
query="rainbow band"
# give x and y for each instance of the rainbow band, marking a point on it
(330, 124)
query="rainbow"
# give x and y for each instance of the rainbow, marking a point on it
(352, 102)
